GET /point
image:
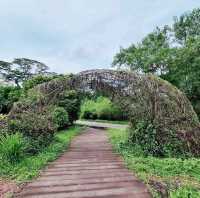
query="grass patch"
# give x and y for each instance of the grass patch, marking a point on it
(173, 177)
(29, 167)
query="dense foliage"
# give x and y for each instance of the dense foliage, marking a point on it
(8, 95)
(170, 52)
(70, 100)
(38, 116)
(60, 117)
(101, 108)
(146, 137)
(31, 124)
(38, 128)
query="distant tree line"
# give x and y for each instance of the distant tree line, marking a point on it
(22, 69)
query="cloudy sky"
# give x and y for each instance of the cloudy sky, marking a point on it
(75, 35)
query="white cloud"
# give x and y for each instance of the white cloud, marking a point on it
(74, 35)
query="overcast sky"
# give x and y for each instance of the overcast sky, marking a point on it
(75, 35)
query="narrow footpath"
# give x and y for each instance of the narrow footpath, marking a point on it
(88, 169)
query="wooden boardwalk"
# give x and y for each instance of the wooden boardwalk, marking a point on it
(88, 169)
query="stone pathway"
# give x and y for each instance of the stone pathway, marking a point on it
(88, 169)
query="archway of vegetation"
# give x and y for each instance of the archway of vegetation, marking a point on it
(161, 117)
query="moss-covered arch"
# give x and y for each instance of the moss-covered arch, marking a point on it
(143, 96)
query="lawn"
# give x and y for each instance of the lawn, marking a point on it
(30, 167)
(172, 177)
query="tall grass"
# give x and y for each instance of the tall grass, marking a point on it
(29, 166)
(12, 147)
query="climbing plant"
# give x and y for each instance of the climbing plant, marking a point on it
(144, 97)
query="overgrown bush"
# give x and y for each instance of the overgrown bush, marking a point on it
(37, 128)
(101, 108)
(33, 114)
(12, 147)
(60, 117)
(146, 136)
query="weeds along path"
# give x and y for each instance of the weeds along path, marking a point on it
(88, 169)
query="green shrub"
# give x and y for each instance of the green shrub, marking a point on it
(89, 115)
(35, 118)
(37, 128)
(146, 136)
(70, 101)
(60, 117)
(101, 108)
(12, 147)
(8, 95)
(88, 110)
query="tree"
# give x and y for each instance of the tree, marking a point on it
(151, 55)
(187, 26)
(186, 68)
(22, 69)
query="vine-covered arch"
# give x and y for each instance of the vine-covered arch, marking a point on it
(143, 96)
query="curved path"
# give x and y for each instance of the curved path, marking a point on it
(89, 169)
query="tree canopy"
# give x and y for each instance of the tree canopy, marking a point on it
(187, 26)
(22, 69)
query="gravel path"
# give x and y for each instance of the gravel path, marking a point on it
(88, 169)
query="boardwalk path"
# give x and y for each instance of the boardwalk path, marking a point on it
(89, 169)
(101, 125)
